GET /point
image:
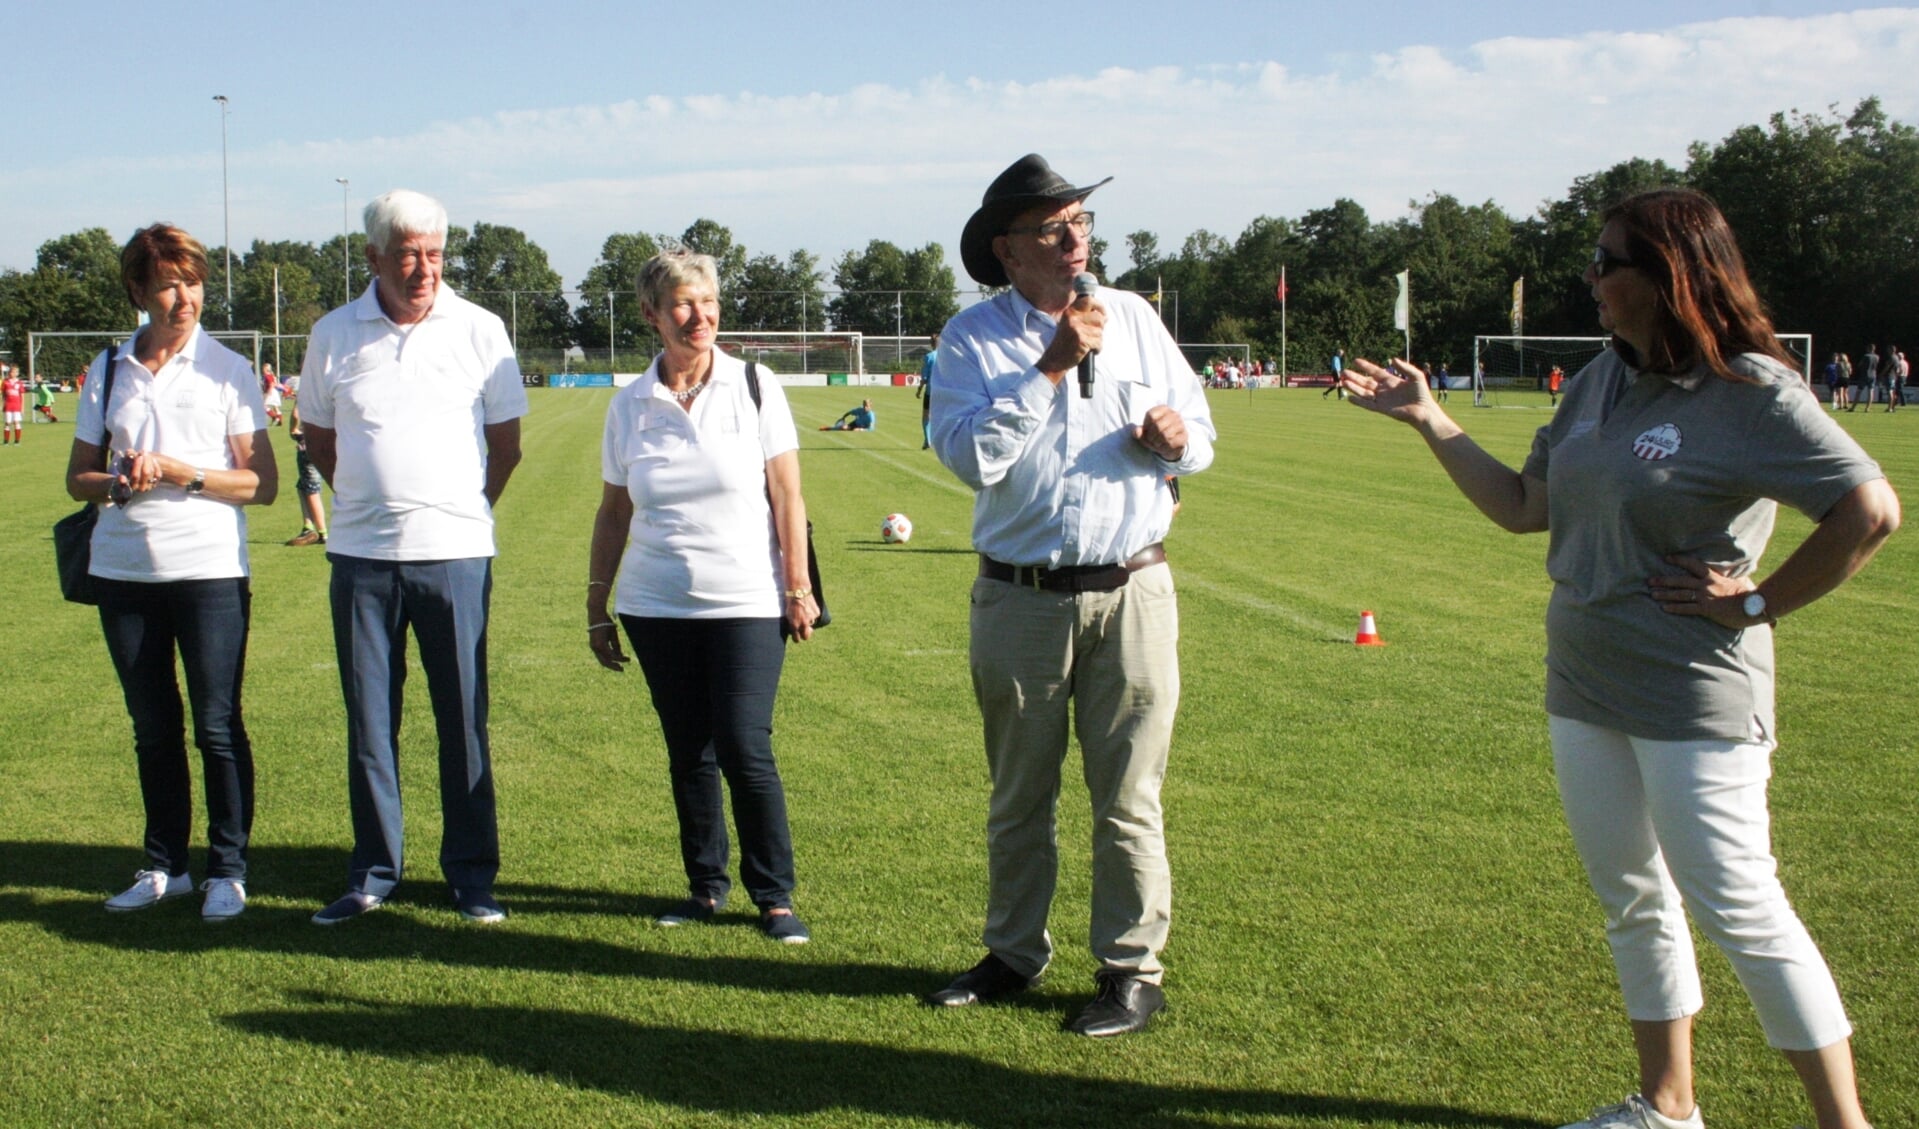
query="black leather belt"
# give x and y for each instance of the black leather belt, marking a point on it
(1074, 578)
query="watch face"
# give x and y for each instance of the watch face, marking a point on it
(1755, 604)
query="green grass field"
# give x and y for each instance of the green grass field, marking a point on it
(1379, 920)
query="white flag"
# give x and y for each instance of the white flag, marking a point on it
(1403, 306)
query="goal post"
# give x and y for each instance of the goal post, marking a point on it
(795, 351)
(1513, 363)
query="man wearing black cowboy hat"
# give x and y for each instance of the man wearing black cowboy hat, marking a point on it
(1074, 600)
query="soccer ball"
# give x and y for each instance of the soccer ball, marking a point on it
(897, 529)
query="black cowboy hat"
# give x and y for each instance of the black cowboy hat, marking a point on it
(1027, 182)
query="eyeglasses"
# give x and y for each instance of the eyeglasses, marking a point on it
(1604, 261)
(1050, 233)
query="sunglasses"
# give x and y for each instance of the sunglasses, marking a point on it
(1604, 261)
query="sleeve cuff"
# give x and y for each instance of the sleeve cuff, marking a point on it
(1036, 393)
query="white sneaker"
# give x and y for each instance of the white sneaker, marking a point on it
(1636, 1113)
(226, 899)
(150, 888)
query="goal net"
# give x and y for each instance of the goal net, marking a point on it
(792, 351)
(1526, 363)
(1212, 360)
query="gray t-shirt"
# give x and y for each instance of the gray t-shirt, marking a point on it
(1639, 466)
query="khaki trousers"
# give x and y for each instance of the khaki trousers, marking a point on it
(1114, 656)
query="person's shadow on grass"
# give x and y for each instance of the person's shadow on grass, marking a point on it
(735, 1075)
(419, 924)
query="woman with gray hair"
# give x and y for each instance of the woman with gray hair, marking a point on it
(700, 540)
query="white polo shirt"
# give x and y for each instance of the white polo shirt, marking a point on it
(701, 544)
(407, 405)
(202, 397)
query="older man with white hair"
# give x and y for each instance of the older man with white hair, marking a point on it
(411, 402)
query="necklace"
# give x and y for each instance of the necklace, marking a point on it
(692, 390)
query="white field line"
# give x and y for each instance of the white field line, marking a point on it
(1316, 627)
(943, 479)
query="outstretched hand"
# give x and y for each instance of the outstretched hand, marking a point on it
(1399, 392)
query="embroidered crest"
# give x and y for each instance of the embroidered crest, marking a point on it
(1657, 443)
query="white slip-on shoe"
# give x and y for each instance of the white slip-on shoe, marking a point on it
(1637, 1113)
(150, 888)
(226, 899)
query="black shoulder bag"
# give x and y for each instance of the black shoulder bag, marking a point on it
(812, 559)
(73, 534)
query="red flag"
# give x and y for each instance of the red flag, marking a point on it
(1280, 291)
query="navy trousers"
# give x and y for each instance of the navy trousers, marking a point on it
(206, 620)
(445, 603)
(713, 683)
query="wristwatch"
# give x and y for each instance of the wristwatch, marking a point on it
(1754, 605)
(199, 482)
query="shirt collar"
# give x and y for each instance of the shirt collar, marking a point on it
(1024, 311)
(367, 306)
(189, 350)
(1684, 381)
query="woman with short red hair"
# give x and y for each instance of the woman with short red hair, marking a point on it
(172, 451)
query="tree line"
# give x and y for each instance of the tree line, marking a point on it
(1826, 207)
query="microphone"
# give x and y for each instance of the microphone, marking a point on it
(1085, 285)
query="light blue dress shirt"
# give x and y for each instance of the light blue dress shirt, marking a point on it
(1059, 480)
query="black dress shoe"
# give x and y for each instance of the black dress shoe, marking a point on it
(989, 980)
(1123, 1004)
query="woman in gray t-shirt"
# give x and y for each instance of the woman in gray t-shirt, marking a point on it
(1658, 480)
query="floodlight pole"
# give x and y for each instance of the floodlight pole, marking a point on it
(226, 207)
(346, 245)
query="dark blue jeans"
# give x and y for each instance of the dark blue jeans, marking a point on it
(713, 683)
(206, 621)
(445, 603)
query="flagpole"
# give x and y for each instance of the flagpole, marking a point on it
(1403, 310)
(1282, 325)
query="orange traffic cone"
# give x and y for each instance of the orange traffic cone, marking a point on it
(1368, 633)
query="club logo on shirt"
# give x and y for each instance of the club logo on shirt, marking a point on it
(1657, 443)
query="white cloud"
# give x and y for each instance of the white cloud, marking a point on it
(1510, 119)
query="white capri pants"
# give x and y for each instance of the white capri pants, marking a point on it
(1670, 827)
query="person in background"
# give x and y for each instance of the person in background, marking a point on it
(855, 419)
(1844, 387)
(410, 399)
(43, 401)
(1338, 365)
(1865, 376)
(701, 530)
(188, 439)
(306, 481)
(13, 402)
(1896, 373)
(929, 371)
(270, 393)
(1658, 486)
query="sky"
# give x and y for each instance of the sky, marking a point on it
(823, 126)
